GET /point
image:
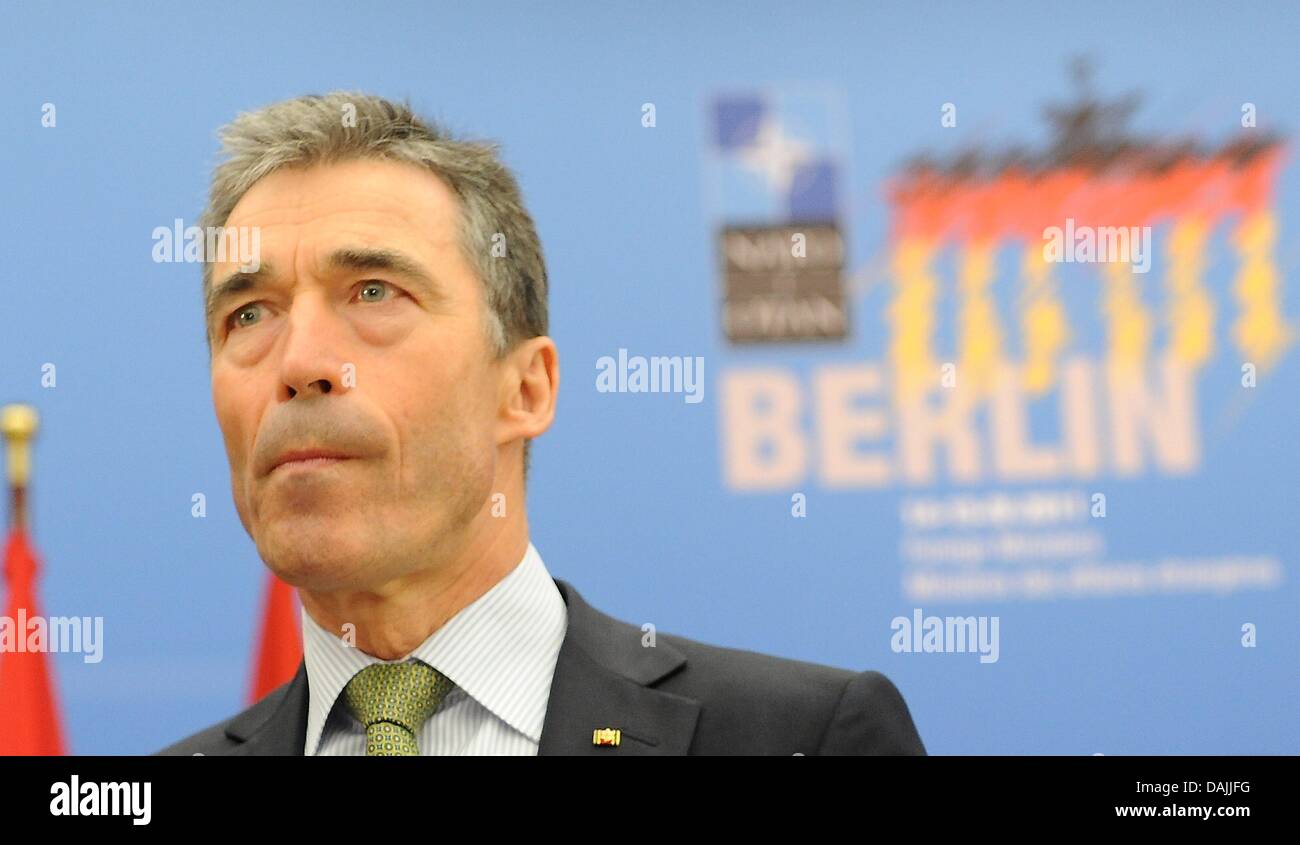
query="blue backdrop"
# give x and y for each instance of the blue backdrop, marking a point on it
(629, 497)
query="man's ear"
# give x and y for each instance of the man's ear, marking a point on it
(530, 385)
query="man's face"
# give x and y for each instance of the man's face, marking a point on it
(361, 334)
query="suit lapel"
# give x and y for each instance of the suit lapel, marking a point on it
(276, 725)
(603, 679)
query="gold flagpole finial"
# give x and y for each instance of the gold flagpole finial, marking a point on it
(18, 424)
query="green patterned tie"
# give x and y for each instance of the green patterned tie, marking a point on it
(392, 700)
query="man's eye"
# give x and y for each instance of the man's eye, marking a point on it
(373, 291)
(245, 315)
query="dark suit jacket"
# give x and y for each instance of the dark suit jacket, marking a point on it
(677, 697)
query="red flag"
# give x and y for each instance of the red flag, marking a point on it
(280, 650)
(29, 718)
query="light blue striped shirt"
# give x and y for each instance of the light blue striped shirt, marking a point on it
(500, 652)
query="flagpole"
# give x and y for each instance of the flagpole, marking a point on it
(18, 424)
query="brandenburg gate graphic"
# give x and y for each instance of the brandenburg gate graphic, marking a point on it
(1091, 177)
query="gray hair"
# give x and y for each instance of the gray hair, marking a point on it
(340, 126)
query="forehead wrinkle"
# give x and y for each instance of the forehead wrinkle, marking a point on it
(437, 224)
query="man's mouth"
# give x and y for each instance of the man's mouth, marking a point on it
(308, 459)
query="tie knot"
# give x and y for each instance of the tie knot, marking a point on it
(404, 694)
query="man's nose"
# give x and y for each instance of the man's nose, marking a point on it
(312, 361)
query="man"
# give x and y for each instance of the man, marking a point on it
(378, 372)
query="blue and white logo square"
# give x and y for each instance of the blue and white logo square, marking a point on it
(776, 172)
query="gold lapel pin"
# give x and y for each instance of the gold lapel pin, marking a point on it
(606, 736)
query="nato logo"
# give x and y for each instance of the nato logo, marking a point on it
(775, 187)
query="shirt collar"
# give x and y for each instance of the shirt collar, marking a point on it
(500, 649)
